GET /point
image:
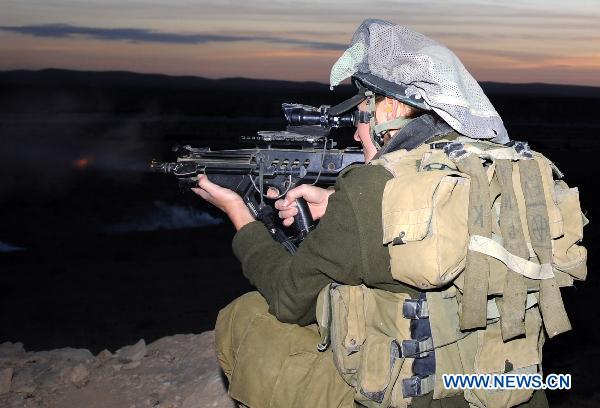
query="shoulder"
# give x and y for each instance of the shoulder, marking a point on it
(365, 182)
(365, 173)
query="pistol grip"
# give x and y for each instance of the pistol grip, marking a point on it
(303, 221)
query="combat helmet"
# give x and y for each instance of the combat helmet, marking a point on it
(392, 60)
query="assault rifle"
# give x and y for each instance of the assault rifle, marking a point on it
(302, 154)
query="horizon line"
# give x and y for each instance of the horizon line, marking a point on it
(260, 79)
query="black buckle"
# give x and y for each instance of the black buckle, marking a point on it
(415, 309)
(413, 387)
(412, 348)
(438, 145)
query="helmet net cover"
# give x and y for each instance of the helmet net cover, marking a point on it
(427, 70)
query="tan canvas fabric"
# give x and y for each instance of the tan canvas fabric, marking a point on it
(532, 246)
(494, 354)
(273, 364)
(428, 210)
(552, 308)
(443, 318)
(515, 288)
(555, 221)
(477, 265)
(364, 327)
(568, 255)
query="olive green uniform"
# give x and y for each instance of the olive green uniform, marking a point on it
(259, 354)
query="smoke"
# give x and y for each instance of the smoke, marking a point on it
(166, 217)
(4, 247)
(52, 154)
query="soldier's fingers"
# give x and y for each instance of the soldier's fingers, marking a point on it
(210, 187)
(294, 193)
(204, 182)
(288, 221)
(281, 205)
(201, 193)
(288, 213)
(272, 193)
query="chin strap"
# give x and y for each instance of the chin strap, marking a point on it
(378, 130)
(398, 123)
(375, 138)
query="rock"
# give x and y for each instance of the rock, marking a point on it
(64, 375)
(67, 354)
(104, 356)
(133, 353)
(50, 377)
(131, 366)
(9, 349)
(80, 376)
(23, 381)
(36, 359)
(168, 357)
(5, 380)
(24, 389)
(172, 372)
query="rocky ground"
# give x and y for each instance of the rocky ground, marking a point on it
(177, 371)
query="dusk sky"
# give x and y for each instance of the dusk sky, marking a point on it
(551, 41)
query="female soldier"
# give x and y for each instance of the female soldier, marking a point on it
(267, 340)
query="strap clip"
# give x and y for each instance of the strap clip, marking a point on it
(416, 348)
(415, 309)
(417, 386)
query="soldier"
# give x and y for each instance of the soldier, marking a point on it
(389, 271)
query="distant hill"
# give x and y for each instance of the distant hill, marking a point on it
(539, 89)
(116, 92)
(53, 77)
(52, 91)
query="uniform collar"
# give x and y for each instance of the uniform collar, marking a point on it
(415, 133)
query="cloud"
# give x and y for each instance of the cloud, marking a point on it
(143, 35)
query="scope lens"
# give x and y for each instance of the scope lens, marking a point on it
(299, 117)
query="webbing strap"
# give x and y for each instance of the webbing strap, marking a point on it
(521, 266)
(506, 153)
(553, 310)
(477, 267)
(493, 311)
(326, 317)
(514, 294)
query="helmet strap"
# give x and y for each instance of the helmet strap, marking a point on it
(398, 123)
(375, 138)
(378, 130)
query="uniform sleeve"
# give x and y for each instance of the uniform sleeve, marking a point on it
(291, 283)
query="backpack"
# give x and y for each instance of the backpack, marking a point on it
(489, 233)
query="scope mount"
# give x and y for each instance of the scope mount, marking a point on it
(294, 136)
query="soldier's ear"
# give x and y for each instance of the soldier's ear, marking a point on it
(390, 106)
(404, 110)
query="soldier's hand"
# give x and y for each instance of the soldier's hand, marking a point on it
(316, 198)
(226, 200)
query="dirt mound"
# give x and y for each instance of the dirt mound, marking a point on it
(176, 371)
